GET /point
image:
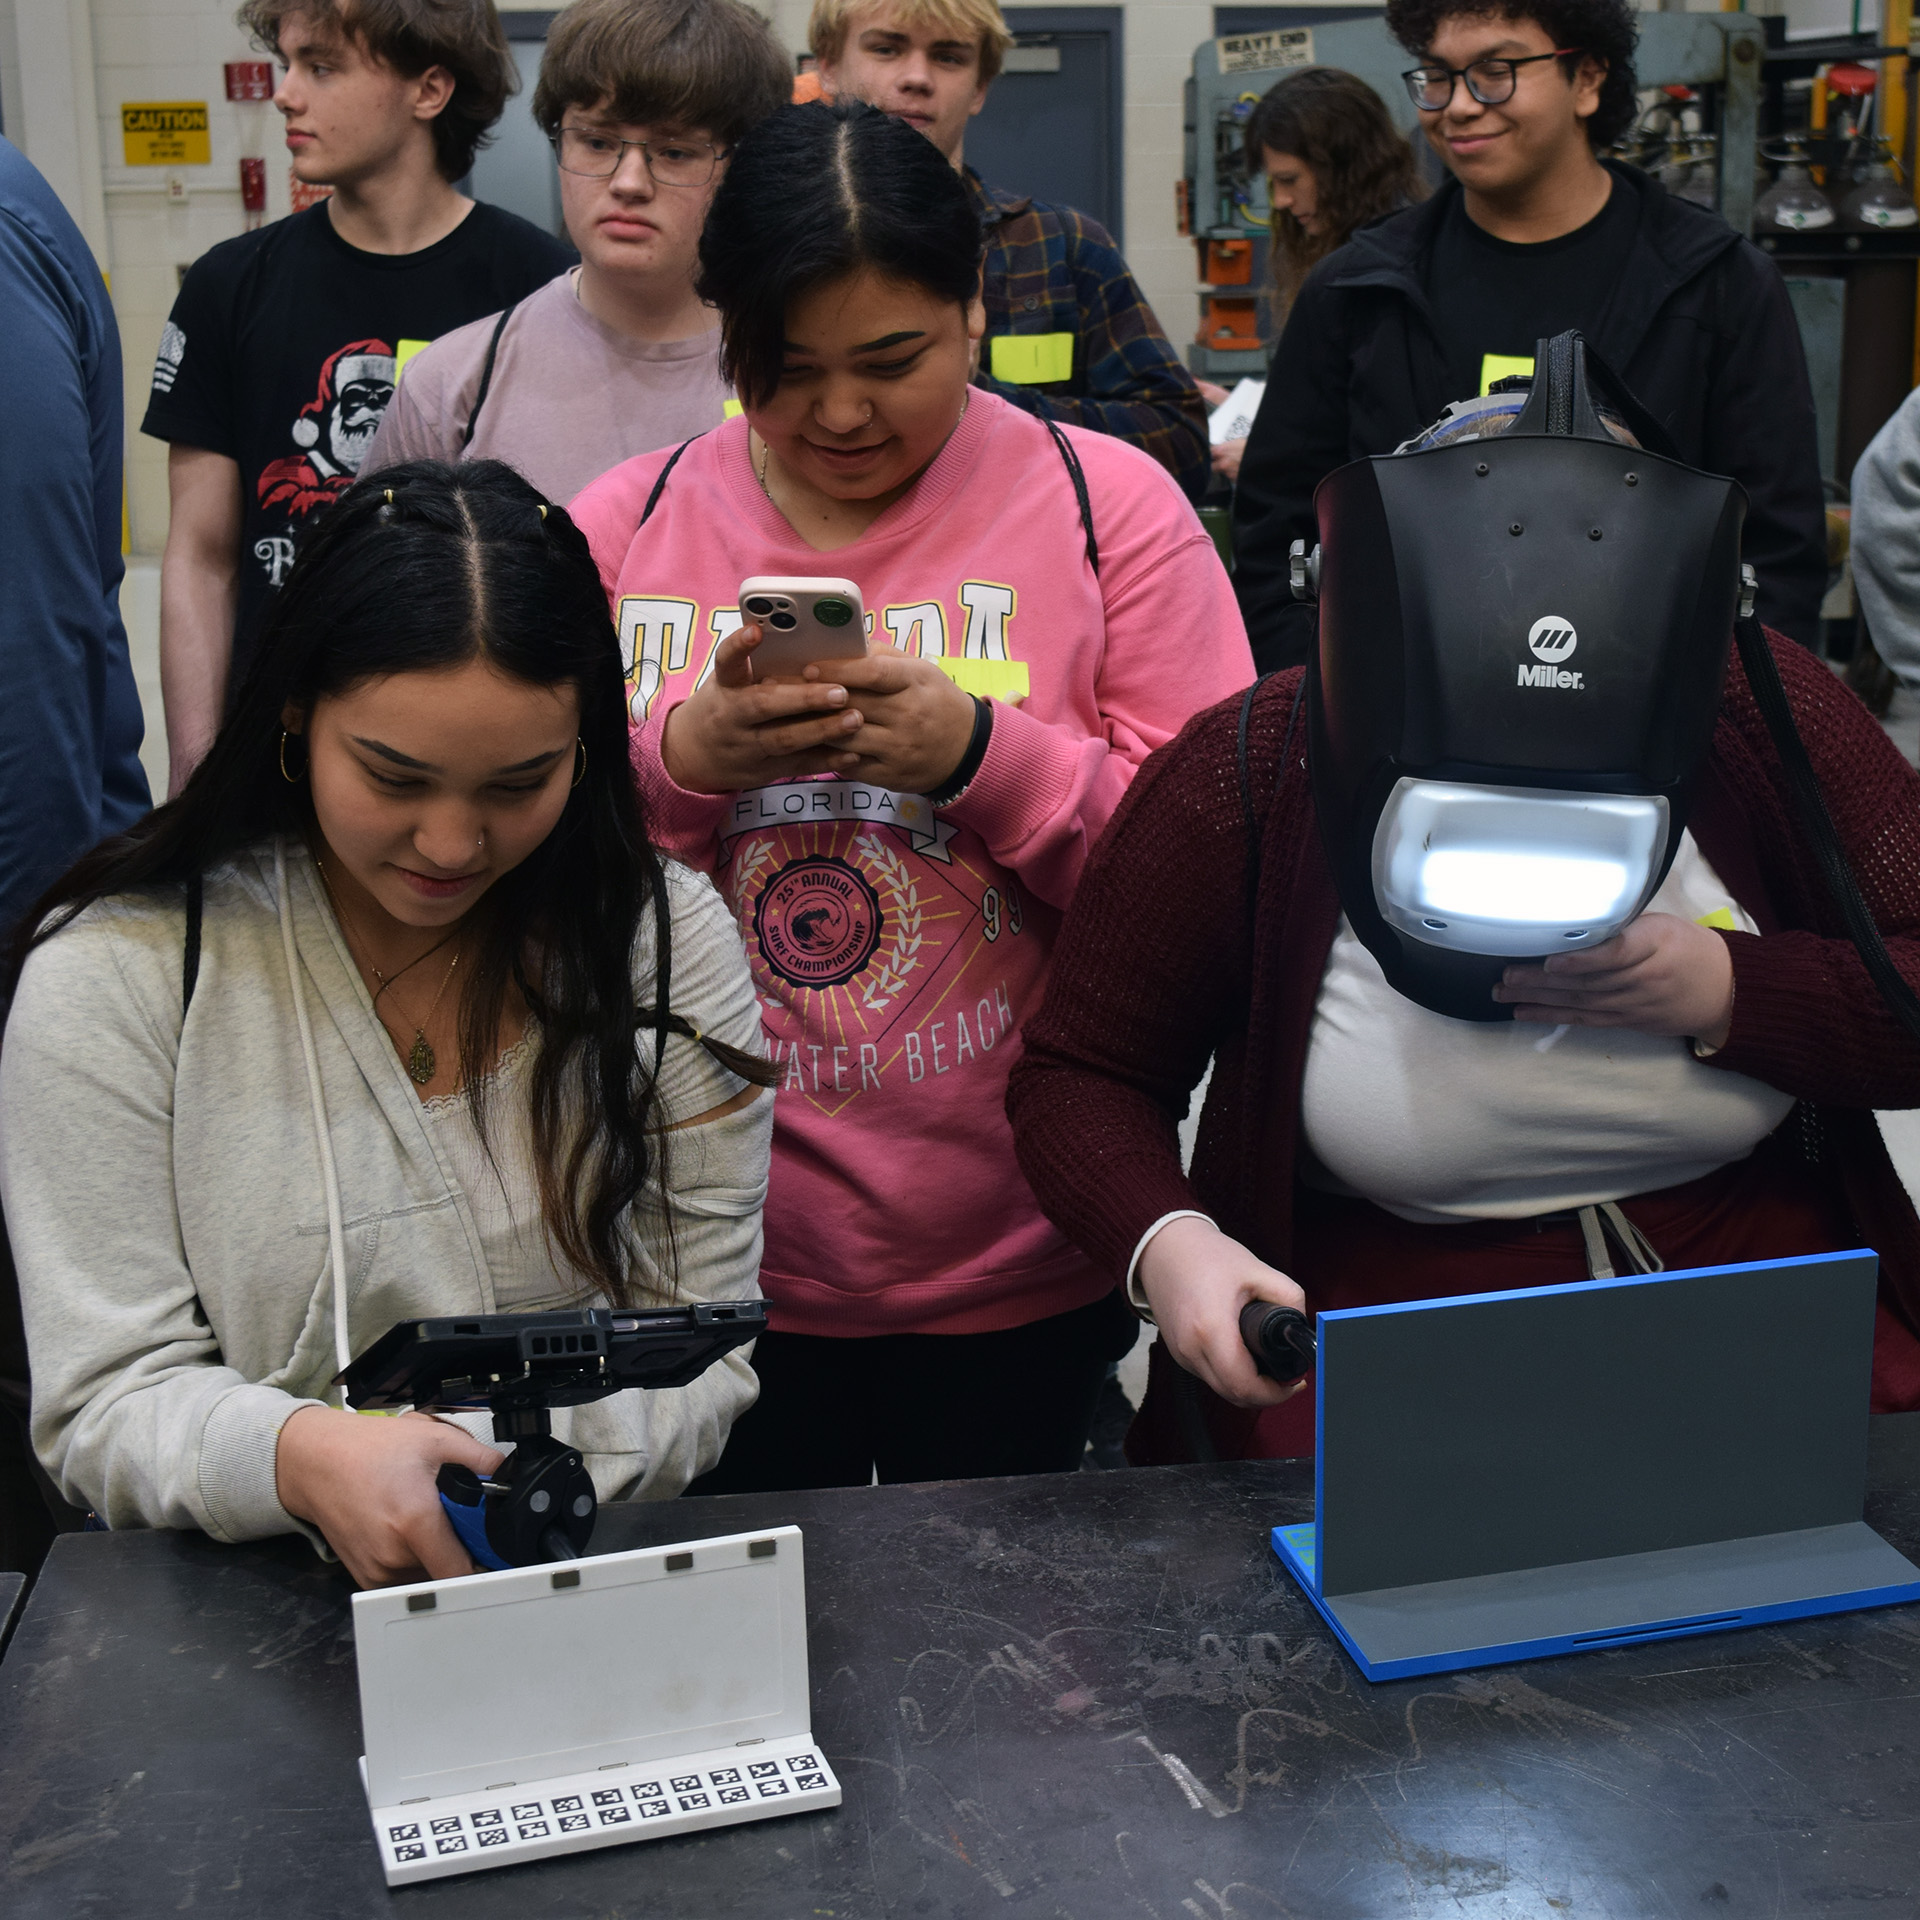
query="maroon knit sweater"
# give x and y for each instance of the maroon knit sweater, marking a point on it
(1160, 967)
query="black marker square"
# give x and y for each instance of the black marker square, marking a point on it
(653, 1809)
(416, 1852)
(732, 1796)
(768, 1788)
(534, 1830)
(493, 1837)
(691, 1802)
(573, 1822)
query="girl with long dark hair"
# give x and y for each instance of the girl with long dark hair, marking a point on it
(370, 1025)
(1334, 161)
(1046, 609)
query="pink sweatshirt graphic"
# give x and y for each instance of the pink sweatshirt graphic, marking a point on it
(897, 951)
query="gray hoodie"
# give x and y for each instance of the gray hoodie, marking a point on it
(166, 1202)
(1886, 539)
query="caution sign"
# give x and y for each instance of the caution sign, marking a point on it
(1266, 52)
(165, 133)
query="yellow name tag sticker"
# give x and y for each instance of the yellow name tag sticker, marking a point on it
(403, 351)
(1032, 359)
(165, 133)
(1720, 917)
(991, 679)
(1502, 366)
(731, 409)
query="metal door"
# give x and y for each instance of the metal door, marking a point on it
(515, 169)
(1052, 123)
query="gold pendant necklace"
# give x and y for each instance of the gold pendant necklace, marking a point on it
(421, 1061)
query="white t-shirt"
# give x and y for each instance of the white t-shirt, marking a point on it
(1440, 1120)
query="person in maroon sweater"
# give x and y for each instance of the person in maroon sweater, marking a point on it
(1250, 977)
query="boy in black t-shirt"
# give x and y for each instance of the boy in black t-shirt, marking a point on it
(1533, 234)
(285, 345)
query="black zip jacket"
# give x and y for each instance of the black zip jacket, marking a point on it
(1701, 330)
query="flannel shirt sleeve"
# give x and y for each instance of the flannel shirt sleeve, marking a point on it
(1127, 380)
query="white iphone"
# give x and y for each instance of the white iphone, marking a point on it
(801, 621)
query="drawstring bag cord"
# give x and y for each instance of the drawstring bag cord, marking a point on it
(336, 1233)
(1634, 1245)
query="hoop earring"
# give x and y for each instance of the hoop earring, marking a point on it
(580, 765)
(292, 779)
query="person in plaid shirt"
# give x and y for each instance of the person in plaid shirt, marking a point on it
(1069, 334)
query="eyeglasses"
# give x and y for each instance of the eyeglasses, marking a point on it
(669, 163)
(1491, 82)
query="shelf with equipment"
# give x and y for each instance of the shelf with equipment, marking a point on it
(1223, 204)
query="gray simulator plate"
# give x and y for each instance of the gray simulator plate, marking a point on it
(1506, 1476)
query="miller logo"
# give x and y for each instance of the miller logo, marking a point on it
(1552, 640)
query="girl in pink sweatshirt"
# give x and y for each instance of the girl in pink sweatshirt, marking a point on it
(898, 835)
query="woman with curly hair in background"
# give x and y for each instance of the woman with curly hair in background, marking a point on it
(1334, 162)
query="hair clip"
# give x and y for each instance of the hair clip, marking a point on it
(389, 493)
(543, 509)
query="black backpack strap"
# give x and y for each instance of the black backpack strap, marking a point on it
(190, 961)
(1079, 479)
(660, 485)
(486, 377)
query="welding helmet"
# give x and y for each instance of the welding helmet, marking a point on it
(1524, 621)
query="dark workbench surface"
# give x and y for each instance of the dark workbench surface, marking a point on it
(1094, 1695)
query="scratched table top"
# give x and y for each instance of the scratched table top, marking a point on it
(1089, 1695)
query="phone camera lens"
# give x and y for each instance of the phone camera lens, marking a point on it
(832, 613)
(786, 622)
(759, 606)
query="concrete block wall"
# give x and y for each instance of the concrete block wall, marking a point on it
(169, 50)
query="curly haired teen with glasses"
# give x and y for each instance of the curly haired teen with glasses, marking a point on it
(1534, 232)
(642, 100)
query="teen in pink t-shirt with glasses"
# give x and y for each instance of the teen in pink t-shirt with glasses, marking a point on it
(898, 849)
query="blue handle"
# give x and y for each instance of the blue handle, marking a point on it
(470, 1523)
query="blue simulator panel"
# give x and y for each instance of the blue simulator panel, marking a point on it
(1505, 1476)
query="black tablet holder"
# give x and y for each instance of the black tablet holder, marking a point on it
(539, 1505)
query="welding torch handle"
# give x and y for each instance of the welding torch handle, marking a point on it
(1280, 1339)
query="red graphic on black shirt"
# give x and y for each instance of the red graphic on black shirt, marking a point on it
(333, 430)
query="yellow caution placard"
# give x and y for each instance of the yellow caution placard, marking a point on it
(1031, 359)
(165, 133)
(1006, 680)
